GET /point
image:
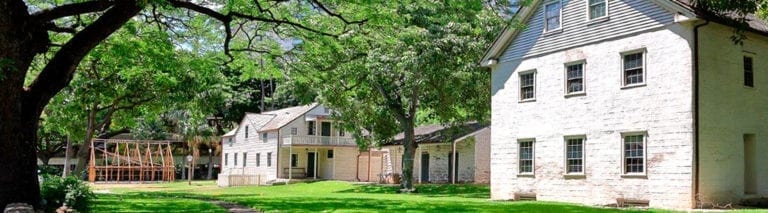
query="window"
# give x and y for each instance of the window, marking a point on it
(264, 137)
(597, 9)
(258, 159)
(633, 68)
(245, 157)
(552, 14)
(294, 131)
(574, 155)
(527, 82)
(294, 160)
(574, 82)
(311, 128)
(749, 78)
(341, 133)
(226, 159)
(269, 159)
(246, 131)
(330, 154)
(229, 141)
(235, 161)
(526, 157)
(634, 154)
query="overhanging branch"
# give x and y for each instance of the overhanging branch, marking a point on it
(66, 10)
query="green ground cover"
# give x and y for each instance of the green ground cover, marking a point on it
(322, 196)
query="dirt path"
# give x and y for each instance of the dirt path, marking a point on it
(233, 207)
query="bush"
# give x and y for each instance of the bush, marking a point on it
(56, 191)
(48, 170)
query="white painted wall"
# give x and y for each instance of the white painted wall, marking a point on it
(728, 111)
(662, 108)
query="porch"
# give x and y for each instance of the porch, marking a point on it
(312, 140)
(316, 162)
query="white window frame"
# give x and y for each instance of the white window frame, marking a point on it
(583, 78)
(560, 16)
(583, 154)
(245, 159)
(520, 85)
(294, 131)
(269, 159)
(644, 53)
(624, 172)
(597, 19)
(246, 131)
(264, 137)
(226, 159)
(533, 157)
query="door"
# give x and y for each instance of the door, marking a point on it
(325, 131)
(452, 171)
(310, 164)
(425, 167)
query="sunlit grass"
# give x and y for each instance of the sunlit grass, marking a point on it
(324, 196)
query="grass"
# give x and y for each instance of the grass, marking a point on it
(326, 196)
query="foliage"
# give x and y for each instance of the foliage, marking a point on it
(735, 13)
(48, 170)
(57, 191)
(412, 59)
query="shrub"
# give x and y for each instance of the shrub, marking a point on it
(48, 170)
(56, 191)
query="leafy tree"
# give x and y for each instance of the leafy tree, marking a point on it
(28, 46)
(411, 57)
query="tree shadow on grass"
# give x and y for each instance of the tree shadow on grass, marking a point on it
(429, 190)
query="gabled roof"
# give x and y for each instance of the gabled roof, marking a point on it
(683, 7)
(435, 133)
(284, 116)
(230, 133)
(255, 121)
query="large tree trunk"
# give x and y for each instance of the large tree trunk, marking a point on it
(409, 152)
(21, 38)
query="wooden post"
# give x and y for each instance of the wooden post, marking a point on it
(92, 164)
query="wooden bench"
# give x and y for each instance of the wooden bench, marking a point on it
(296, 172)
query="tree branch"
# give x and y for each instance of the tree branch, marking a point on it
(331, 13)
(50, 14)
(61, 68)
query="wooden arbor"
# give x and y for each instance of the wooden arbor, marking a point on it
(131, 160)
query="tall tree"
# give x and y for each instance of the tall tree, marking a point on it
(412, 56)
(26, 28)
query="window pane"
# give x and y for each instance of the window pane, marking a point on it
(526, 157)
(553, 15)
(526, 86)
(633, 68)
(575, 75)
(574, 155)
(748, 72)
(597, 8)
(634, 161)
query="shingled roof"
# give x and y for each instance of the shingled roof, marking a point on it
(435, 133)
(755, 23)
(284, 116)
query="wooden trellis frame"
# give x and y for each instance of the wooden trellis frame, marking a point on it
(131, 161)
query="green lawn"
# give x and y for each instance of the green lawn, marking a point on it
(332, 196)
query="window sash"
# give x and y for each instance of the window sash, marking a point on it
(749, 79)
(597, 8)
(634, 154)
(526, 157)
(527, 89)
(575, 78)
(633, 68)
(269, 159)
(258, 159)
(574, 155)
(294, 160)
(552, 15)
(245, 158)
(226, 159)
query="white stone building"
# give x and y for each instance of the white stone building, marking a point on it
(638, 101)
(293, 143)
